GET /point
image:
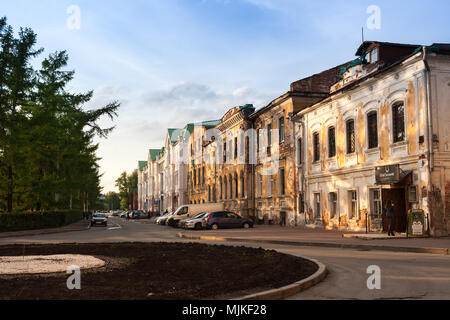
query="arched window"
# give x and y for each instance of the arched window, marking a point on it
(331, 142)
(236, 191)
(316, 144)
(242, 183)
(230, 180)
(351, 138)
(372, 129)
(398, 119)
(225, 188)
(299, 151)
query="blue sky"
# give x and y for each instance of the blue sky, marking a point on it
(171, 62)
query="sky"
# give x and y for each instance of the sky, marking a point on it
(172, 62)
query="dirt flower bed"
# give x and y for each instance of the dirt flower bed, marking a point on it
(163, 270)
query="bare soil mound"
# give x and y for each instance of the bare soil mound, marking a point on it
(165, 270)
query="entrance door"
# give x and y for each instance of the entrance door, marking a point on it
(283, 219)
(397, 196)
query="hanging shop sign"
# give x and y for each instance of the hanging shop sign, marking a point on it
(387, 174)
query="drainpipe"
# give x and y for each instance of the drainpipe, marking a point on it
(429, 126)
(253, 171)
(302, 127)
(303, 163)
(429, 120)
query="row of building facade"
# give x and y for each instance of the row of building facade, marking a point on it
(328, 153)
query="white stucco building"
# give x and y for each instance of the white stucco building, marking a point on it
(382, 134)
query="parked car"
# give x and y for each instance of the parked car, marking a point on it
(197, 222)
(226, 219)
(136, 214)
(123, 214)
(190, 210)
(162, 220)
(99, 218)
(116, 213)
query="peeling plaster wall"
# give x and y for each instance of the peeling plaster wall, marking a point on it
(233, 125)
(439, 191)
(347, 172)
(277, 208)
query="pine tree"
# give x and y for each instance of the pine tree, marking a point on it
(47, 156)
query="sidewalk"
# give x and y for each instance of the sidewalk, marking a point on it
(301, 236)
(77, 226)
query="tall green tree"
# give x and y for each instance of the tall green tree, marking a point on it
(127, 183)
(47, 155)
(112, 201)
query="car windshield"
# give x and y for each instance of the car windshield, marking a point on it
(99, 215)
(199, 215)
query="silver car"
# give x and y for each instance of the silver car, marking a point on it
(197, 222)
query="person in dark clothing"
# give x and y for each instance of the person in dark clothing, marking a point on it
(390, 214)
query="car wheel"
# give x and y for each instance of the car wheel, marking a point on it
(214, 226)
(246, 225)
(198, 226)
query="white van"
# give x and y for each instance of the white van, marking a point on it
(190, 210)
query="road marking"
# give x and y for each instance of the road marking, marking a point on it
(418, 278)
(115, 228)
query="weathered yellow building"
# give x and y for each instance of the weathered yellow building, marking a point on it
(380, 136)
(277, 194)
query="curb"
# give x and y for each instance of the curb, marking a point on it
(291, 289)
(441, 251)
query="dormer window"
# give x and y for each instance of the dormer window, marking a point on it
(374, 55)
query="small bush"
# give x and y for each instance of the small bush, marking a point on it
(37, 220)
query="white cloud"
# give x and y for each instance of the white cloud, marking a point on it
(144, 118)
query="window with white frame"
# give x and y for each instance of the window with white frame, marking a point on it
(353, 204)
(331, 142)
(270, 185)
(260, 185)
(372, 129)
(398, 122)
(351, 138)
(332, 197)
(316, 147)
(317, 206)
(281, 129)
(375, 195)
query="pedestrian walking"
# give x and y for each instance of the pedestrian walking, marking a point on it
(390, 215)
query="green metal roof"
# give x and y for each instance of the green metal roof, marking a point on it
(154, 153)
(208, 124)
(174, 134)
(187, 131)
(248, 108)
(142, 165)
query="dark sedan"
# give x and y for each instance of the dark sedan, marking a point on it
(226, 219)
(99, 218)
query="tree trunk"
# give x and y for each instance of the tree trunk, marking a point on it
(10, 189)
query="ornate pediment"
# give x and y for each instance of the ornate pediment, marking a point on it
(231, 113)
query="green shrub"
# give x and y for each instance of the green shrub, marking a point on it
(37, 220)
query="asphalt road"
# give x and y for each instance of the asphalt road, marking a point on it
(403, 275)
